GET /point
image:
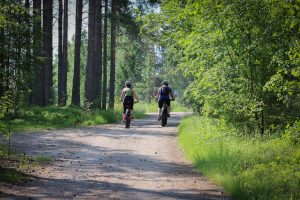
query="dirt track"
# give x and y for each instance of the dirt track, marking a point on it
(111, 162)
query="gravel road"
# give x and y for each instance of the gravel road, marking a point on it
(111, 162)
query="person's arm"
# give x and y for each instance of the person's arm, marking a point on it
(122, 95)
(171, 94)
(157, 96)
(135, 96)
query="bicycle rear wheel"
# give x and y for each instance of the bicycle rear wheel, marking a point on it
(164, 117)
(127, 121)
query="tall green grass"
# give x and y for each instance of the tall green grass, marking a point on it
(153, 106)
(247, 167)
(39, 118)
(53, 117)
(138, 110)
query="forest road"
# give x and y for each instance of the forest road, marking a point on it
(111, 162)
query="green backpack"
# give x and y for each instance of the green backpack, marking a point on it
(128, 92)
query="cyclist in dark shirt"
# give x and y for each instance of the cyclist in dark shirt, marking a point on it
(164, 93)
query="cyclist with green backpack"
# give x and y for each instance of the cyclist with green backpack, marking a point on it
(163, 95)
(128, 96)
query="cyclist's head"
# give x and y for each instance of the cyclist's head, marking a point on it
(128, 84)
(165, 82)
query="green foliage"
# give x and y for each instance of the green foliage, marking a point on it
(247, 167)
(292, 133)
(232, 52)
(16, 60)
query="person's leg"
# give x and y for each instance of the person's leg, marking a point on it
(131, 102)
(160, 104)
(124, 110)
(169, 107)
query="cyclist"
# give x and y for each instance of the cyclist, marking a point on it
(128, 96)
(163, 95)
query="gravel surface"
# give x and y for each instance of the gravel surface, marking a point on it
(111, 162)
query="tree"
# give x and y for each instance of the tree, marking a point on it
(16, 68)
(76, 77)
(104, 83)
(230, 55)
(89, 82)
(60, 52)
(98, 54)
(47, 68)
(113, 38)
(36, 82)
(65, 55)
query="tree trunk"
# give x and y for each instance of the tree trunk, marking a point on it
(37, 49)
(65, 55)
(113, 38)
(89, 81)
(76, 77)
(60, 52)
(2, 62)
(98, 54)
(47, 53)
(105, 56)
(29, 56)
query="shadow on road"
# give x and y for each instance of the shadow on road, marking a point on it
(103, 162)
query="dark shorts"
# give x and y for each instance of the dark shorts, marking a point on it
(128, 102)
(162, 101)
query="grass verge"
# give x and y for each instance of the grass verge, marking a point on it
(53, 117)
(153, 106)
(247, 168)
(18, 168)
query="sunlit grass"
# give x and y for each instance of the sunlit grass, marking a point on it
(247, 168)
(153, 107)
(53, 117)
(40, 159)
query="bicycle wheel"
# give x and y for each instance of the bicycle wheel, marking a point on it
(127, 121)
(164, 117)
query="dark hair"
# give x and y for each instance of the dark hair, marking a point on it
(128, 84)
(165, 82)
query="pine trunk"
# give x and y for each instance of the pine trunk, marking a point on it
(29, 56)
(60, 51)
(37, 48)
(2, 63)
(47, 53)
(98, 54)
(65, 55)
(104, 95)
(89, 81)
(76, 76)
(113, 38)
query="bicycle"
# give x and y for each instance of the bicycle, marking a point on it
(164, 114)
(128, 116)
